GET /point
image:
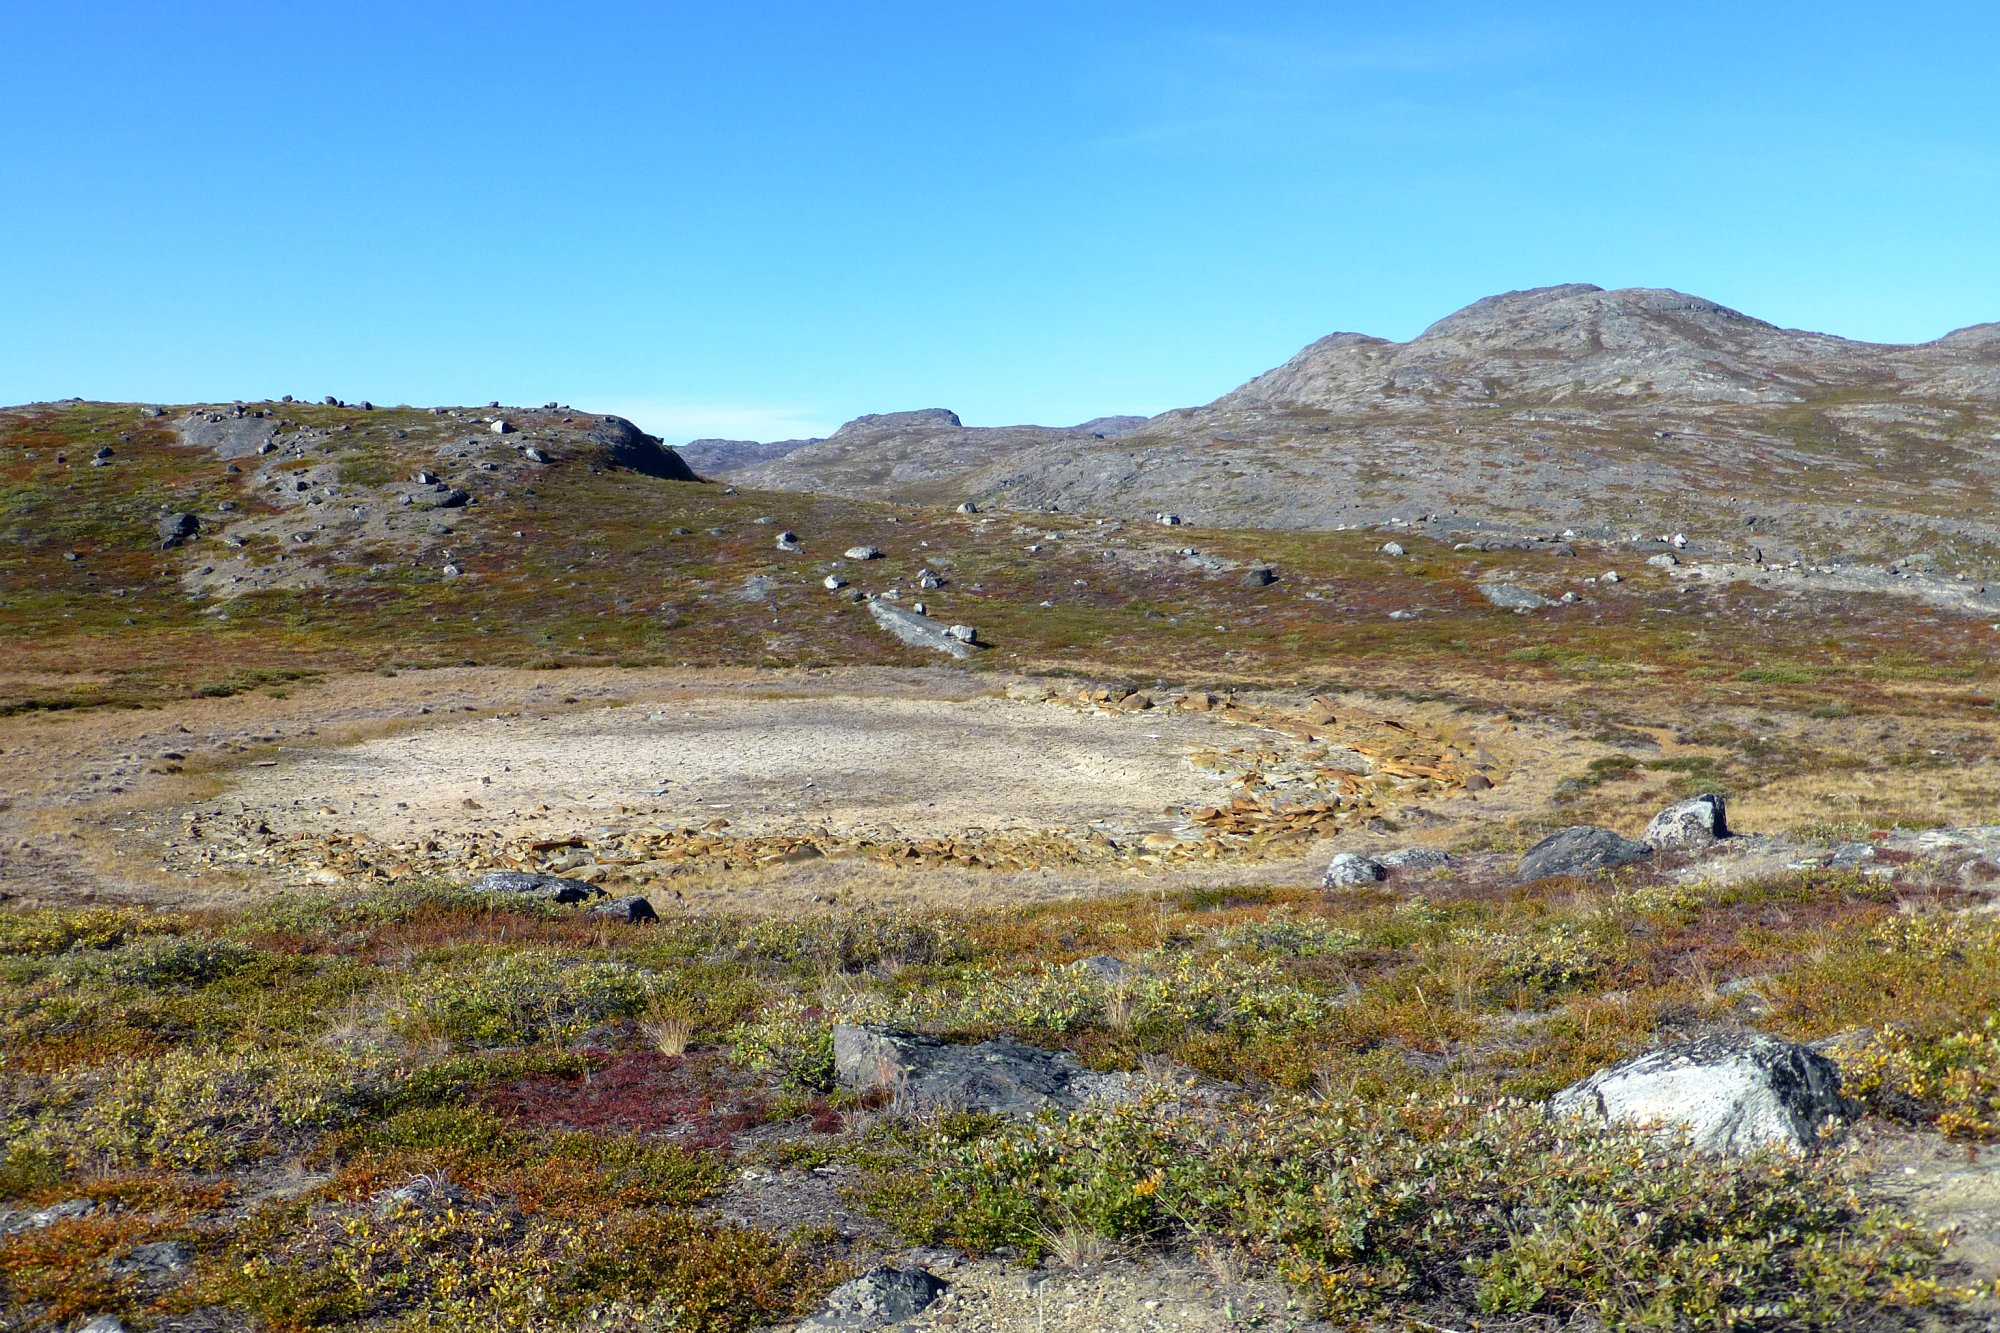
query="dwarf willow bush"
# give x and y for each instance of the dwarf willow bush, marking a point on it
(525, 996)
(187, 1109)
(1164, 997)
(1366, 1206)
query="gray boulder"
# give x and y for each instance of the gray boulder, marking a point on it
(173, 529)
(453, 499)
(863, 553)
(1349, 870)
(1512, 597)
(634, 909)
(878, 1298)
(526, 884)
(152, 1260)
(1581, 850)
(1259, 576)
(1732, 1093)
(1103, 967)
(1692, 823)
(924, 1072)
(1414, 858)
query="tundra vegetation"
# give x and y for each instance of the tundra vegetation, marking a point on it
(410, 1105)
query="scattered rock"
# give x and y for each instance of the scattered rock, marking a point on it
(1732, 1093)
(1350, 870)
(963, 633)
(68, 1210)
(877, 1299)
(635, 910)
(152, 1260)
(833, 583)
(967, 507)
(1003, 1077)
(424, 477)
(1512, 597)
(1609, 576)
(502, 427)
(530, 885)
(1104, 968)
(863, 553)
(1415, 858)
(1580, 850)
(453, 499)
(1692, 823)
(1393, 548)
(173, 529)
(1259, 576)
(789, 541)
(1664, 560)
(534, 455)
(1478, 782)
(426, 1193)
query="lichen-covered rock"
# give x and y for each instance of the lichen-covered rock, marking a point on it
(1349, 870)
(173, 529)
(1580, 850)
(1414, 858)
(1512, 597)
(634, 909)
(1692, 823)
(1103, 967)
(919, 631)
(1733, 1093)
(924, 1072)
(530, 885)
(878, 1298)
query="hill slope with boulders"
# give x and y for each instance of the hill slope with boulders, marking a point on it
(1613, 413)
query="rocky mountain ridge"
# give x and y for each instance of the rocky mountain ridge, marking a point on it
(1611, 413)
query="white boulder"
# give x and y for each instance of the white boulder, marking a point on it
(1692, 823)
(1731, 1093)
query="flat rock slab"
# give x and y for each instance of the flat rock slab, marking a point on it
(1733, 1093)
(918, 631)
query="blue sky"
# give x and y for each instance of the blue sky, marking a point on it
(762, 219)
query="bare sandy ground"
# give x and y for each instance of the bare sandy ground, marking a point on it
(888, 765)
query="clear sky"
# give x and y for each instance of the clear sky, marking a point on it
(760, 219)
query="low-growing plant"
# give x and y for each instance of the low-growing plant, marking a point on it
(1497, 1208)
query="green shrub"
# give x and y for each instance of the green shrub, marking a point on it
(1499, 1208)
(529, 995)
(186, 1109)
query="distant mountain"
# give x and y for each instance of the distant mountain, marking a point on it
(891, 450)
(718, 458)
(1612, 412)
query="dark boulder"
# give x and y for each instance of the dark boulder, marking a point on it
(526, 884)
(173, 529)
(924, 1072)
(1582, 850)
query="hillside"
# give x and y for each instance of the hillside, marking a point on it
(459, 869)
(1612, 413)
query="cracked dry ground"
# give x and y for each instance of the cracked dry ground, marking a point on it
(734, 790)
